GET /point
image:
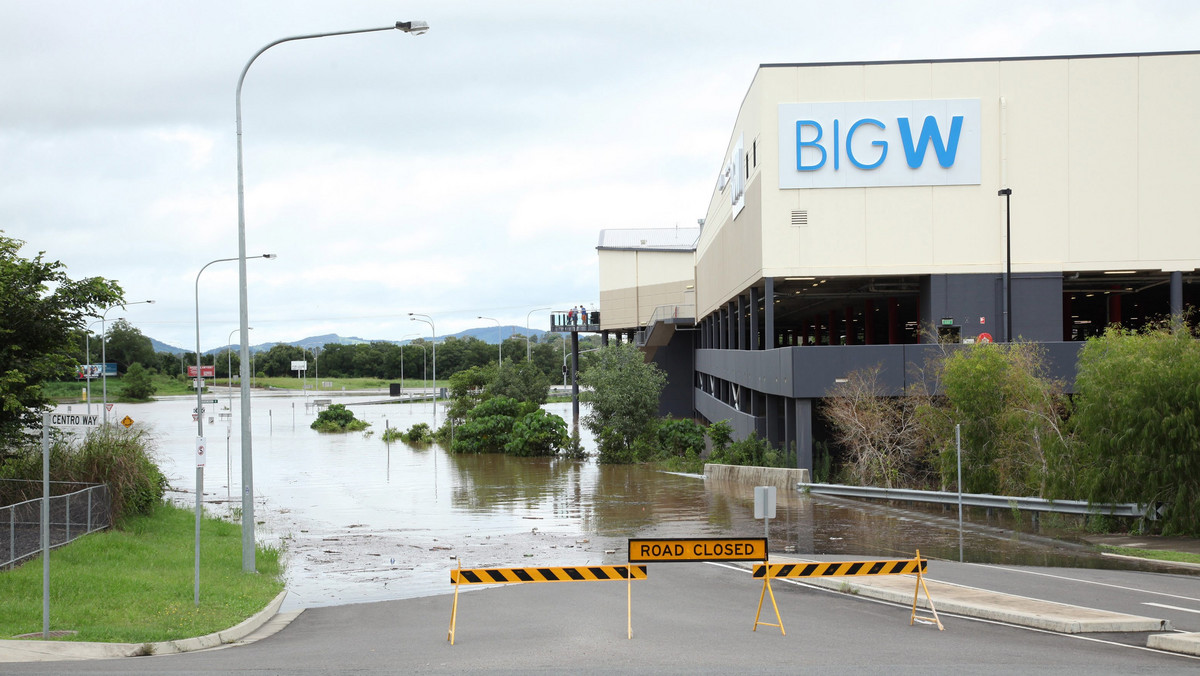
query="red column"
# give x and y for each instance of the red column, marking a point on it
(893, 321)
(850, 337)
(833, 339)
(869, 323)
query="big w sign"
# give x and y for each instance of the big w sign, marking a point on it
(879, 143)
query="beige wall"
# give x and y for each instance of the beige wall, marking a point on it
(634, 282)
(1100, 155)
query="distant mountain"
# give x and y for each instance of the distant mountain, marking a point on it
(160, 346)
(487, 334)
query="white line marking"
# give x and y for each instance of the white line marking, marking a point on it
(1077, 637)
(1075, 579)
(1163, 605)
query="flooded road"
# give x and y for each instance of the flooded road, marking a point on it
(363, 520)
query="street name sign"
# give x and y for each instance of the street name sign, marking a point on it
(74, 420)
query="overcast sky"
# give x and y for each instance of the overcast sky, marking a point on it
(463, 172)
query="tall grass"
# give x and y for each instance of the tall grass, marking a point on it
(111, 455)
(136, 585)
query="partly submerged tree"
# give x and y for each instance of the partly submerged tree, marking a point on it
(623, 391)
(43, 309)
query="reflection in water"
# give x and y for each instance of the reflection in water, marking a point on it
(364, 520)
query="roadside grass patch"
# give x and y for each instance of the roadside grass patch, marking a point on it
(136, 585)
(1156, 554)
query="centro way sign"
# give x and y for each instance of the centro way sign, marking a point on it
(74, 420)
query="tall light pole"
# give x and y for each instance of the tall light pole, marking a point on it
(229, 398)
(104, 357)
(414, 27)
(200, 443)
(528, 352)
(499, 340)
(412, 316)
(1006, 193)
(87, 372)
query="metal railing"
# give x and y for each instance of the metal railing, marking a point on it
(72, 515)
(981, 500)
(662, 313)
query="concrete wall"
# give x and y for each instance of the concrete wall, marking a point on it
(784, 479)
(633, 283)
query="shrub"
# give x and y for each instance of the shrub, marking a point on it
(418, 434)
(537, 433)
(338, 418)
(121, 458)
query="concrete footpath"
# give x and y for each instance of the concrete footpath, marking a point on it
(949, 597)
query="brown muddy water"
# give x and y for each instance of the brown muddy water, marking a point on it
(363, 520)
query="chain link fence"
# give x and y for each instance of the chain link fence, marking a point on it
(72, 515)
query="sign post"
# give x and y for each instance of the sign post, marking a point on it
(200, 453)
(57, 420)
(764, 506)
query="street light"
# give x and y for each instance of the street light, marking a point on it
(529, 330)
(200, 421)
(414, 317)
(229, 398)
(413, 27)
(104, 356)
(1006, 193)
(87, 348)
(499, 340)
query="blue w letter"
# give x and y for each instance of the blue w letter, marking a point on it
(915, 153)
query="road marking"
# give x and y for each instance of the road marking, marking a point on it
(1163, 605)
(1078, 637)
(1075, 579)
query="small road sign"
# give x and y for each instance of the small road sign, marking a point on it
(127, 422)
(74, 420)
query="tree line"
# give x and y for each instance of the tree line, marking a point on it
(126, 345)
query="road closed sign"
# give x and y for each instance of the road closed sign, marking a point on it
(698, 549)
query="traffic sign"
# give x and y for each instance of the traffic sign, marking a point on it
(200, 451)
(74, 420)
(127, 422)
(701, 549)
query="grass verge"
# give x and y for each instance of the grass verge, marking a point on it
(136, 585)
(1156, 554)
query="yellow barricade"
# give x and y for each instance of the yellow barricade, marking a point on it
(915, 565)
(461, 576)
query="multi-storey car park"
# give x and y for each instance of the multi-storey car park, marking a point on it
(865, 211)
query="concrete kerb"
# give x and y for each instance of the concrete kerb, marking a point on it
(1188, 644)
(979, 603)
(25, 650)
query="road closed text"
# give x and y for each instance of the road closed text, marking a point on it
(741, 549)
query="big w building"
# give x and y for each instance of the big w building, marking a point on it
(863, 211)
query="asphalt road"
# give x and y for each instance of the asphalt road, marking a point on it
(687, 619)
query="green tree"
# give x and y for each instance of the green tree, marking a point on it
(137, 383)
(488, 426)
(1136, 423)
(623, 391)
(125, 345)
(42, 308)
(1012, 418)
(523, 382)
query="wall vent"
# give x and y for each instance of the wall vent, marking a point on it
(800, 217)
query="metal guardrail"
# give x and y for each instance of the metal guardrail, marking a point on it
(72, 516)
(981, 500)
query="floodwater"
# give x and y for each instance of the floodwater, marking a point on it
(363, 520)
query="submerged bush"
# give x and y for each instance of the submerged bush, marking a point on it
(338, 418)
